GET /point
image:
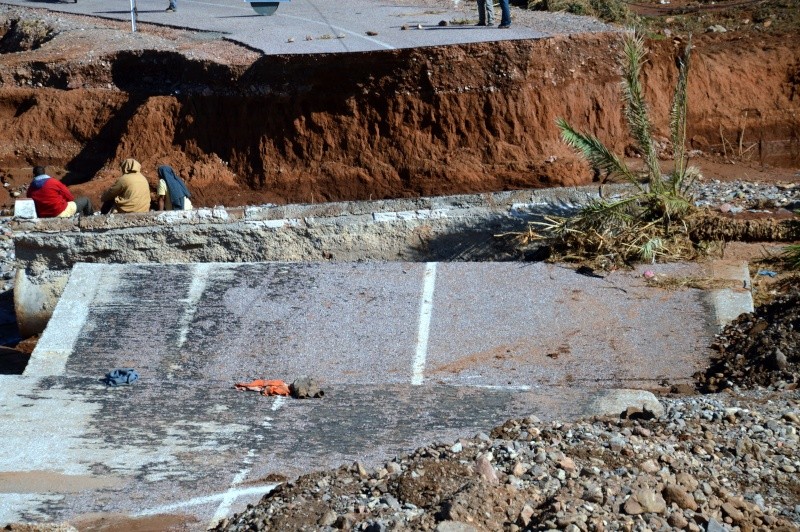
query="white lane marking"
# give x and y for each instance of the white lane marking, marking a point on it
(343, 30)
(231, 495)
(200, 273)
(197, 501)
(515, 387)
(276, 404)
(66, 324)
(425, 312)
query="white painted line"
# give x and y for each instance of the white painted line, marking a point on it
(514, 387)
(197, 501)
(200, 273)
(230, 496)
(279, 400)
(66, 324)
(425, 312)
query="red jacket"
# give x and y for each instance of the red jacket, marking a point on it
(51, 198)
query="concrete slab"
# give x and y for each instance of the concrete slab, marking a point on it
(313, 26)
(407, 353)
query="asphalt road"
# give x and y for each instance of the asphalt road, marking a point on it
(407, 353)
(324, 26)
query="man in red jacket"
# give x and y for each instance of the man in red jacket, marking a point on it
(53, 199)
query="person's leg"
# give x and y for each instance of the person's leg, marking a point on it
(107, 206)
(490, 12)
(84, 205)
(482, 12)
(505, 20)
(173, 5)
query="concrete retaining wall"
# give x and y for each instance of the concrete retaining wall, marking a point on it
(425, 229)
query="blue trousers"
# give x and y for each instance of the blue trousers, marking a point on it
(486, 12)
(505, 20)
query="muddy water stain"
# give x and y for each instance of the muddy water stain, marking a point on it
(155, 523)
(51, 482)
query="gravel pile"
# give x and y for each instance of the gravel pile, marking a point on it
(723, 462)
(738, 196)
(762, 348)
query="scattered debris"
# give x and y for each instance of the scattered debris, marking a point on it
(306, 387)
(265, 387)
(121, 376)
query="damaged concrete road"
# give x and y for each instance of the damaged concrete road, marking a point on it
(312, 27)
(407, 353)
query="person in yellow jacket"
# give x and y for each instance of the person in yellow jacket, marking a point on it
(130, 193)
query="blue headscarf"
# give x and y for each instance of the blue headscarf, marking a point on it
(175, 186)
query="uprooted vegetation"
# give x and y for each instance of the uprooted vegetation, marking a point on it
(657, 219)
(649, 223)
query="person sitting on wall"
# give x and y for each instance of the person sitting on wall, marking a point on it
(53, 199)
(171, 191)
(130, 193)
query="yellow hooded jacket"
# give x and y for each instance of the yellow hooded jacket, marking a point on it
(131, 192)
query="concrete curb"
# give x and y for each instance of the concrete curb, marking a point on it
(729, 303)
(460, 228)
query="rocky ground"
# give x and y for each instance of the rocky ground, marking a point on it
(716, 462)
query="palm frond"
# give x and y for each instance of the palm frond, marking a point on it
(791, 254)
(677, 121)
(683, 186)
(635, 108)
(596, 153)
(651, 249)
(601, 214)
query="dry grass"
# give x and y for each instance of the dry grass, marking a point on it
(615, 245)
(700, 283)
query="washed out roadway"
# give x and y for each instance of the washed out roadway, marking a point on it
(326, 26)
(407, 353)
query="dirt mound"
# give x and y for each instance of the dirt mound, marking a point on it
(19, 35)
(762, 348)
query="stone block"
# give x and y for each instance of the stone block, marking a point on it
(24, 208)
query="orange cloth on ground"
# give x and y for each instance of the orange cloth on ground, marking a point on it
(273, 387)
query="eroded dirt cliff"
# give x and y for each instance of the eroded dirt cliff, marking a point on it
(471, 118)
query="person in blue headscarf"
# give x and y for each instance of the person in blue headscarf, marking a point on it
(172, 192)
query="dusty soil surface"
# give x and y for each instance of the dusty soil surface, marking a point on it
(81, 94)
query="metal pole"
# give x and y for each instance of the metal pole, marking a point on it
(133, 16)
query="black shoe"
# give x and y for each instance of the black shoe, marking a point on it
(504, 26)
(170, 10)
(481, 24)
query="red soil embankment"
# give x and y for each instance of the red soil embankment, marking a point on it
(429, 121)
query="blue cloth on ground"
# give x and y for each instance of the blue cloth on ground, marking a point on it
(175, 186)
(770, 273)
(121, 376)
